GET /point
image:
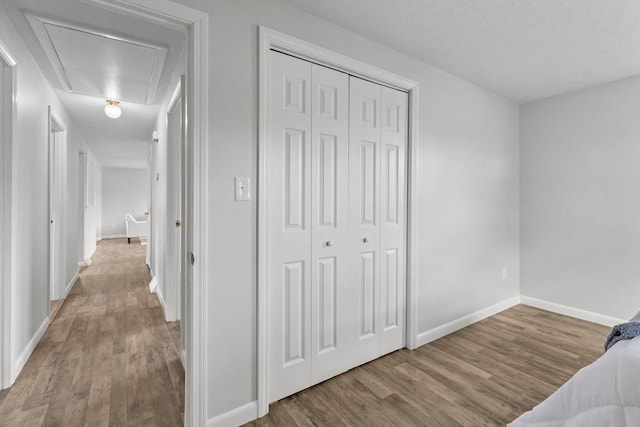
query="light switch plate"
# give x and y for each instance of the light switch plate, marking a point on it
(243, 188)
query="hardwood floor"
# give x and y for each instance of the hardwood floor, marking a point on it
(108, 357)
(54, 307)
(483, 375)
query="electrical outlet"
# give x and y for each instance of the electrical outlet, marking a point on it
(242, 188)
(505, 272)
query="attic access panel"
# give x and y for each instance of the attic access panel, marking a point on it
(97, 64)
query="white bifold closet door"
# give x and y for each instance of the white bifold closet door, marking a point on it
(336, 242)
(377, 205)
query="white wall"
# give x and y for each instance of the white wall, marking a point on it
(468, 186)
(124, 190)
(580, 199)
(30, 187)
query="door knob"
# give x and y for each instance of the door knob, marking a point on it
(329, 243)
(178, 223)
(365, 240)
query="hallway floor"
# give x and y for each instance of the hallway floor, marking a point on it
(108, 357)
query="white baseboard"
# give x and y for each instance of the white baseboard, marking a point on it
(72, 282)
(113, 236)
(163, 304)
(462, 322)
(153, 284)
(235, 417)
(31, 345)
(578, 313)
(87, 261)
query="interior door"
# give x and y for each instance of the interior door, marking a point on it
(336, 192)
(186, 200)
(57, 196)
(289, 200)
(330, 271)
(393, 218)
(364, 194)
(53, 266)
(378, 188)
(174, 209)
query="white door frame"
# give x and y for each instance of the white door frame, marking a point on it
(196, 25)
(7, 136)
(57, 226)
(271, 39)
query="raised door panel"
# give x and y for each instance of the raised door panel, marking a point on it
(364, 205)
(289, 217)
(328, 180)
(393, 224)
(368, 183)
(390, 289)
(327, 305)
(330, 224)
(368, 298)
(294, 93)
(295, 196)
(391, 185)
(293, 327)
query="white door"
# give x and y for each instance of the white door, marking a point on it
(393, 218)
(186, 200)
(289, 195)
(57, 200)
(336, 223)
(377, 180)
(364, 193)
(330, 269)
(174, 209)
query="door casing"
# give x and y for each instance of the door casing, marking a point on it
(8, 110)
(270, 39)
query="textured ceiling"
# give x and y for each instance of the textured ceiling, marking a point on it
(521, 49)
(88, 53)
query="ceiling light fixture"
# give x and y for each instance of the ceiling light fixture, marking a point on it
(111, 109)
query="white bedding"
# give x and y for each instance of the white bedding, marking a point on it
(605, 393)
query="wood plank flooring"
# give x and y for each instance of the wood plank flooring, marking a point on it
(54, 307)
(483, 375)
(108, 358)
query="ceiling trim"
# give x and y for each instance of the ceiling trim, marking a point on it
(38, 23)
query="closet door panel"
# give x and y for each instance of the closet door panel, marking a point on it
(289, 204)
(364, 205)
(393, 202)
(336, 201)
(329, 222)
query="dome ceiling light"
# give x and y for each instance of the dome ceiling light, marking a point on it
(111, 109)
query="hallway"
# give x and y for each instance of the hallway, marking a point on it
(107, 358)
